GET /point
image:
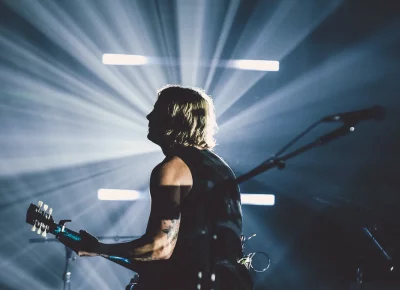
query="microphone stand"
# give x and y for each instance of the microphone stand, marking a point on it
(276, 161)
(70, 257)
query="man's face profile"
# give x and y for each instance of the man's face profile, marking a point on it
(156, 125)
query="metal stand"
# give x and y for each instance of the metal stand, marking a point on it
(70, 256)
(370, 233)
(278, 160)
(388, 265)
(359, 279)
(67, 273)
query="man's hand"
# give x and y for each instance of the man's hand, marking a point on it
(89, 245)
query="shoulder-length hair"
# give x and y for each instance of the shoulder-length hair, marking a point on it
(189, 117)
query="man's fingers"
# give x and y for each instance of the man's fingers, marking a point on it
(86, 254)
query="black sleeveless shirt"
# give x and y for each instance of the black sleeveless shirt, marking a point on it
(210, 228)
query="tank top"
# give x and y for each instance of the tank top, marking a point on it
(210, 228)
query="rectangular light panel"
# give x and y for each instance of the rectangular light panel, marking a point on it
(258, 199)
(253, 64)
(122, 194)
(124, 59)
(117, 194)
(243, 64)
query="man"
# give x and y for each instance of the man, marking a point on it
(193, 236)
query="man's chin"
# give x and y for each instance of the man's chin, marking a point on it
(153, 139)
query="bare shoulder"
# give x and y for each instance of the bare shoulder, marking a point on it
(172, 171)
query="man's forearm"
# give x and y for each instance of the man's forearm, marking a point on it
(142, 249)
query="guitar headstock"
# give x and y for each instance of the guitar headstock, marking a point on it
(40, 217)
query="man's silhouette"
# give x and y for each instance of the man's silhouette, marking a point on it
(193, 236)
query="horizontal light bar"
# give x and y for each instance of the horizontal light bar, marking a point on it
(249, 64)
(122, 194)
(117, 194)
(124, 59)
(244, 64)
(258, 199)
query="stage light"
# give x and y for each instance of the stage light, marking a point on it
(250, 64)
(258, 199)
(124, 59)
(124, 194)
(117, 194)
(243, 64)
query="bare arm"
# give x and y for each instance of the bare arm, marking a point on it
(167, 183)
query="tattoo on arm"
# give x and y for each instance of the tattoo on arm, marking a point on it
(171, 229)
(145, 257)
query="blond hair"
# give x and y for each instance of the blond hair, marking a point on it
(189, 117)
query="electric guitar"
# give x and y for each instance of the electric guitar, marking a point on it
(41, 219)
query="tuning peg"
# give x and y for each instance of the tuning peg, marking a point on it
(50, 212)
(44, 234)
(45, 207)
(39, 231)
(34, 227)
(40, 203)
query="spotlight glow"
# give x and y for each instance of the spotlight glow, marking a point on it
(124, 59)
(258, 199)
(249, 64)
(117, 194)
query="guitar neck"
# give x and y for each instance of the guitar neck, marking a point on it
(40, 217)
(73, 239)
